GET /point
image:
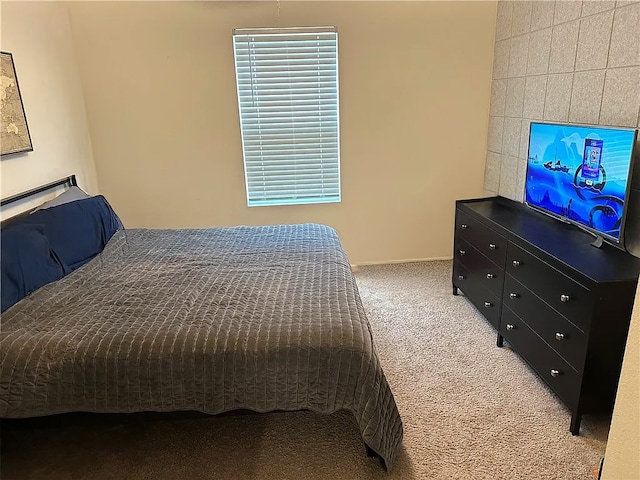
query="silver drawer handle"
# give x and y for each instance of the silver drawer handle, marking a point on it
(464, 226)
(564, 298)
(488, 304)
(513, 295)
(461, 252)
(555, 373)
(492, 246)
(460, 277)
(510, 327)
(490, 276)
(516, 263)
(559, 336)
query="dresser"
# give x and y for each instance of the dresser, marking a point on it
(562, 304)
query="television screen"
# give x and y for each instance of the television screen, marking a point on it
(581, 174)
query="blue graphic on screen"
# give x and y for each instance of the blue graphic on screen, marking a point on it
(580, 173)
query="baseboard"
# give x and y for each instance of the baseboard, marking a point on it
(354, 266)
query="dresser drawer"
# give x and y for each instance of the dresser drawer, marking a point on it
(481, 269)
(565, 295)
(487, 241)
(560, 334)
(486, 302)
(558, 374)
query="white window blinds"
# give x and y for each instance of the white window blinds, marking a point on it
(288, 100)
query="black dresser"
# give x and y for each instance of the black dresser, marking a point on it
(562, 304)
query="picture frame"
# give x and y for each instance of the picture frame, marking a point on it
(14, 130)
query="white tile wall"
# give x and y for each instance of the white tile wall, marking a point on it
(503, 20)
(511, 136)
(565, 10)
(521, 22)
(558, 95)
(515, 97)
(563, 61)
(624, 50)
(524, 139)
(518, 56)
(591, 7)
(508, 176)
(621, 97)
(586, 96)
(539, 51)
(494, 140)
(492, 172)
(541, 15)
(564, 43)
(501, 59)
(534, 91)
(593, 41)
(498, 97)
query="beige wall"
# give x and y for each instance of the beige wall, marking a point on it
(39, 37)
(159, 86)
(622, 460)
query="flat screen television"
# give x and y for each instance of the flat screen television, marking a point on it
(581, 175)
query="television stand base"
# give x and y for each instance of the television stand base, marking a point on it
(598, 242)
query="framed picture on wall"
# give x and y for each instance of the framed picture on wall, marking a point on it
(14, 131)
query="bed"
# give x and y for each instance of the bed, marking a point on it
(210, 320)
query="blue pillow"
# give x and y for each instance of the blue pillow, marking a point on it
(28, 262)
(77, 231)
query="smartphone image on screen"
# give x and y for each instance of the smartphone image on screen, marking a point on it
(591, 160)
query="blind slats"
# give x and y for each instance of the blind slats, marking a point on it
(309, 183)
(288, 101)
(286, 140)
(278, 128)
(283, 75)
(285, 151)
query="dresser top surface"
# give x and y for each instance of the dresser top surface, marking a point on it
(563, 242)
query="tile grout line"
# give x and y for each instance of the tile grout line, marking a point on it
(546, 86)
(606, 73)
(575, 61)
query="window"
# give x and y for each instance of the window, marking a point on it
(288, 101)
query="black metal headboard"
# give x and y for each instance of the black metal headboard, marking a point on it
(67, 181)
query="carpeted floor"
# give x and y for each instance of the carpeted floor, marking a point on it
(470, 411)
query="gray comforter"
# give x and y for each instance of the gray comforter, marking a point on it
(260, 318)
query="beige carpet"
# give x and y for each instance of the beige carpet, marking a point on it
(470, 411)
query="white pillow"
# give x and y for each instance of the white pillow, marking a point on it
(74, 193)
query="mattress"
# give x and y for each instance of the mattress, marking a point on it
(209, 320)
